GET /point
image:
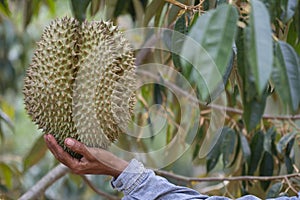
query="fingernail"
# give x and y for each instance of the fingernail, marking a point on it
(70, 142)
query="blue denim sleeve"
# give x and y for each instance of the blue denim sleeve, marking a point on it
(139, 183)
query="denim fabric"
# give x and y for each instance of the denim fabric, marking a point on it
(139, 183)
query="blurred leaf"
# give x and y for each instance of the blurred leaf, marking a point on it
(266, 169)
(6, 119)
(274, 190)
(4, 8)
(36, 153)
(257, 151)
(31, 8)
(212, 39)
(152, 9)
(95, 6)
(7, 174)
(158, 94)
(286, 75)
(181, 29)
(139, 10)
(51, 6)
(283, 142)
(245, 148)
(79, 9)
(110, 8)
(259, 45)
(229, 147)
(289, 10)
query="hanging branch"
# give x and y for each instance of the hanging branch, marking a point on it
(235, 178)
(99, 192)
(39, 188)
(186, 7)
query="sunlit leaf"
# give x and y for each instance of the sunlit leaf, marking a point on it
(259, 45)
(6, 173)
(257, 151)
(51, 6)
(4, 8)
(36, 153)
(266, 169)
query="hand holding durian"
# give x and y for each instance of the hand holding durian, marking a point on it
(80, 83)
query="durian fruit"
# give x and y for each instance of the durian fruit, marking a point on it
(81, 82)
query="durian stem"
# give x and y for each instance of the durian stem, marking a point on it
(38, 189)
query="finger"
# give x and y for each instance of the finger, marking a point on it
(78, 147)
(58, 151)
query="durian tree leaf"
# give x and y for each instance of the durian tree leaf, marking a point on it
(151, 10)
(4, 8)
(266, 169)
(288, 164)
(79, 8)
(229, 147)
(293, 37)
(260, 45)
(254, 109)
(212, 157)
(269, 140)
(245, 148)
(181, 29)
(211, 40)
(51, 6)
(36, 153)
(6, 174)
(139, 10)
(289, 10)
(4, 117)
(286, 75)
(274, 190)
(110, 8)
(257, 150)
(283, 142)
(95, 6)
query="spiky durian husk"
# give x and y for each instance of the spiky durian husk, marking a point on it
(80, 83)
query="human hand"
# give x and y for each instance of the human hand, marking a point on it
(94, 160)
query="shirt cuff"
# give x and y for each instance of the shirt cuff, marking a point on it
(133, 175)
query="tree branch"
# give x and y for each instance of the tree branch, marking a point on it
(39, 188)
(186, 7)
(235, 178)
(99, 192)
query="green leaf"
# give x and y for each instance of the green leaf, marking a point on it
(286, 75)
(259, 45)
(245, 148)
(289, 10)
(274, 190)
(181, 29)
(288, 164)
(152, 9)
(211, 43)
(95, 6)
(283, 142)
(212, 157)
(36, 153)
(257, 150)
(266, 169)
(229, 147)
(269, 140)
(254, 109)
(79, 9)
(4, 8)
(6, 174)
(110, 8)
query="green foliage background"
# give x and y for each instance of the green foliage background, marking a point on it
(260, 74)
